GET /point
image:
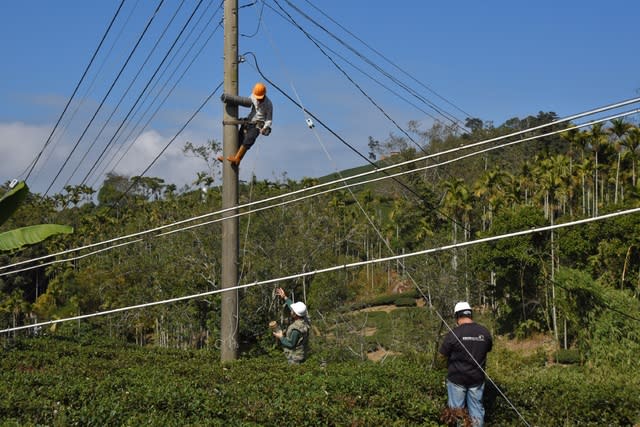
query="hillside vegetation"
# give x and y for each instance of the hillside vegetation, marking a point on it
(577, 286)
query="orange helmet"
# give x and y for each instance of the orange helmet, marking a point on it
(259, 90)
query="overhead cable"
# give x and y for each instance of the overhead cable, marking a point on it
(143, 90)
(391, 62)
(136, 128)
(342, 267)
(315, 187)
(448, 116)
(95, 53)
(124, 94)
(106, 95)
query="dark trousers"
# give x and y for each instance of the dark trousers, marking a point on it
(248, 134)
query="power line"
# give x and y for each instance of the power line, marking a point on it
(93, 81)
(109, 163)
(362, 91)
(143, 90)
(259, 19)
(169, 143)
(95, 53)
(270, 199)
(126, 92)
(443, 113)
(105, 96)
(391, 62)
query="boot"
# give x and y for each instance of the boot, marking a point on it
(235, 160)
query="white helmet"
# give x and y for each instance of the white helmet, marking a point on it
(462, 308)
(299, 308)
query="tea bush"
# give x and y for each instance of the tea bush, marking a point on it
(59, 382)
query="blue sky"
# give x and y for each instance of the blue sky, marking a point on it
(494, 60)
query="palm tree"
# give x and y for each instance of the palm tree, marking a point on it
(457, 202)
(553, 177)
(599, 144)
(526, 182)
(632, 142)
(618, 129)
(583, 169)
(490, 188)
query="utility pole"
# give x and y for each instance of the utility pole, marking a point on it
(230, 241)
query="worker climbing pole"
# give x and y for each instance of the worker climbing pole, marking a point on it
(235, 144)
(258, 122)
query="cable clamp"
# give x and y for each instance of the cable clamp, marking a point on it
(310, 123)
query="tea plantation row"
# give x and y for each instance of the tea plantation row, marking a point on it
(65, 381)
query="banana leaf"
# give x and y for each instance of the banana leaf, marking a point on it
(11, 200)
(16, 239)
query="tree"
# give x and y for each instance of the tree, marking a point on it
(618, 129)
(517, 264)
(458, 204)
(632, 143)
(473, 123)
(113, 190)
(208, 153)
(374, 146)
(600, 145)
(490, 189)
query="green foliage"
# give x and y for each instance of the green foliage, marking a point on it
(527, 328)
(567, 356)
(24, 236)
(602, 320)
(11, 200)
(615, 331)
(16, 239)
(328, 291)
(517, 264)
(405, 302)
(89, 381)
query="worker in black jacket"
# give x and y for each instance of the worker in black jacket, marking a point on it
(465, 347)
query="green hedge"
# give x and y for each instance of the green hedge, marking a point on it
(405, 302)
(60, 382)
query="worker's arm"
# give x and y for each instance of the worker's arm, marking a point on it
(282, 294)
(268, 116)
(242, 101)
(291, 341)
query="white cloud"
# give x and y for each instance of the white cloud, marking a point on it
(292, 149)
(19, 145)
(172, 166)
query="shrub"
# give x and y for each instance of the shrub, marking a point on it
(567, 356)
(405, 302)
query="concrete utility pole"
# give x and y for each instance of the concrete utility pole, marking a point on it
(230, 242)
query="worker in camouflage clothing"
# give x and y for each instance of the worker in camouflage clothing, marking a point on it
(295, 340)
